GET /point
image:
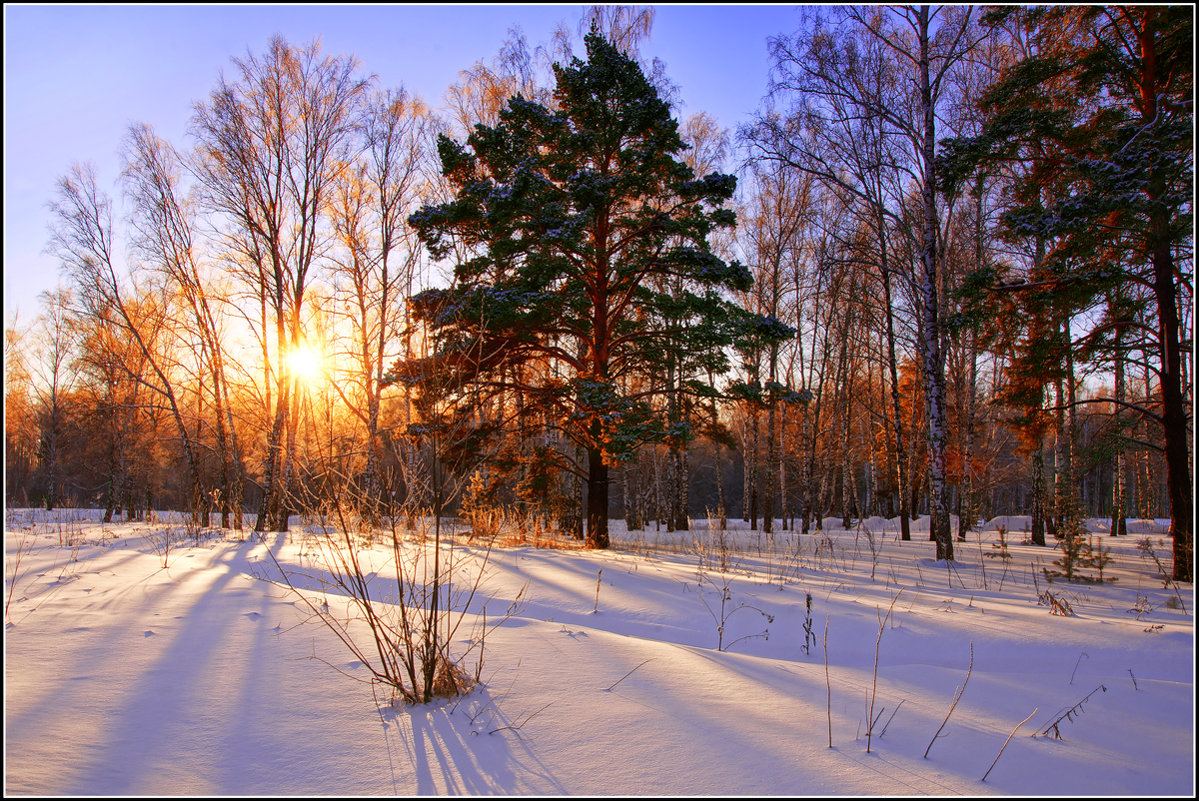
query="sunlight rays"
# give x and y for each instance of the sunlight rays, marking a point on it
(306, 363)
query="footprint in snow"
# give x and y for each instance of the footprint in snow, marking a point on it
(251, 615)
(147, 633)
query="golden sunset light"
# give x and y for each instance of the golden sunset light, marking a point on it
(306, 363)
(608, 400)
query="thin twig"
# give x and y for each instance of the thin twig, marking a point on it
(888, 723)
(828, 687)
(518, 726)
(1005, 742)
(630, 673)
(874, 687)
(961, 690)
(1076, 664)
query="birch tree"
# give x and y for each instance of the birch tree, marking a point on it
(270, 143)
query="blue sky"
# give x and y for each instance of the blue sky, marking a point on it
(75, 77)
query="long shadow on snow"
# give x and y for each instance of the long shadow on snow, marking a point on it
(165, 713)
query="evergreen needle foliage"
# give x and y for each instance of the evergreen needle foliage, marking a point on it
(582, 265)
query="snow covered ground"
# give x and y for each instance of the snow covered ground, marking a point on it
(612, 676)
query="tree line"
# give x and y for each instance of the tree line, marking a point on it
(944, 270)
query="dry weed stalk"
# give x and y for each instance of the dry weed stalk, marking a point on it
(828, 687)
(1078, 662)
(956, 698)
(888, 723)
(1145, 548)
(882, 624)
(1005, 742)
(1067, 715)
(1057, 606)
(608, 689)
(808, 635)
(12, 565)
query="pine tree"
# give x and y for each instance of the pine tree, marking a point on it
(572, 218)
(1108, 94)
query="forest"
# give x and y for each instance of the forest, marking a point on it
(944, 271)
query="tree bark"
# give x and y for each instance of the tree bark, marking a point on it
(930, 323)
(597, 499)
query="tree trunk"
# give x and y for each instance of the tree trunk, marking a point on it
(1174, 411)
(1165, 291)
(1038, 497)
(1119, 504)
(930, 324)
(682, 521)
(597, 500)
(771, 456)
(967, 512)
(901, 459)
(751, 470)
(721, 509)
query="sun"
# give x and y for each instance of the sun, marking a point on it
(306, 363)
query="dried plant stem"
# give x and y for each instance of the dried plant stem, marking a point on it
(828, 687)
(1068, 715)
(625, 676)
(1077, 663)
(1005, 742)
(598, 576)
(517, 727)
(882, 624)
(12, 565)
(956, 698)
(888, 723)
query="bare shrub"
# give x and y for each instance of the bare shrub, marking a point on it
(162, 540)
(725, 608)
(401, 607)
(714, 549)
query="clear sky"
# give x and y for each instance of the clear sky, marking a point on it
(75, 78)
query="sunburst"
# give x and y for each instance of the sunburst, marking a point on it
(306, 363)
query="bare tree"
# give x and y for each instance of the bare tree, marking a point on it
(773, 231)
(270, 145)
(905, 91)
(163, 227)
(20, 423)
(52, 382)
(82, 239)
(376, 265)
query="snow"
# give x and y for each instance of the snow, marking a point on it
(206, 677)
